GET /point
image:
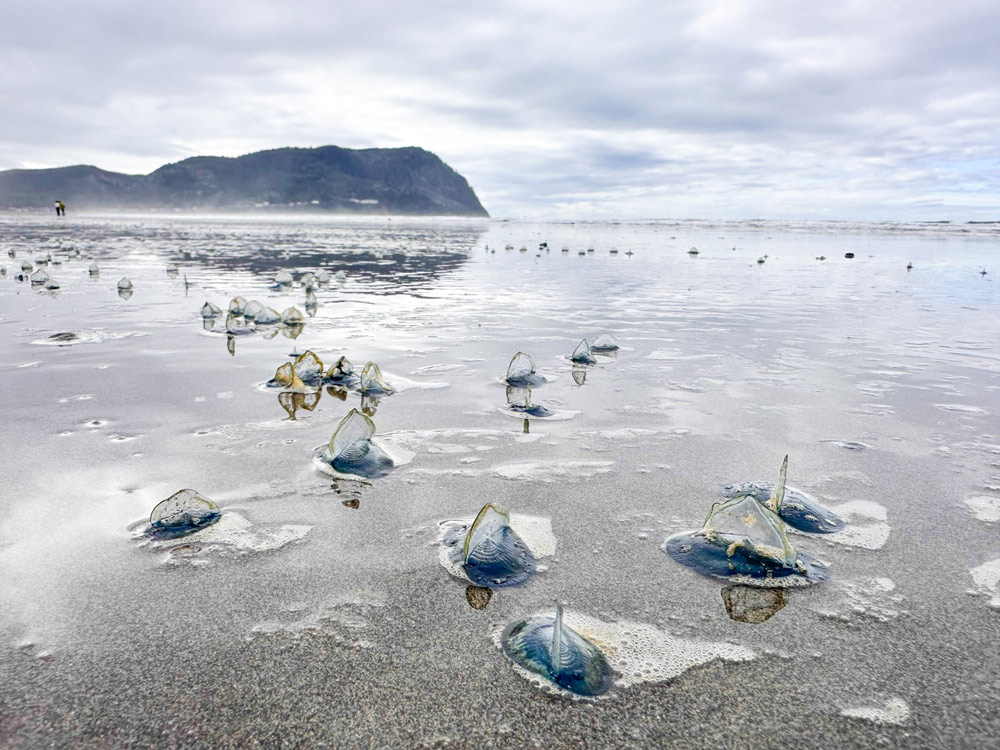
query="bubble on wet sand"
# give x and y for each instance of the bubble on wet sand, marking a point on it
(890, 711)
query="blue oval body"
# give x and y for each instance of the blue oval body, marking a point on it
(582, 668)
(509, 562)
(374, 462)
(694, 550)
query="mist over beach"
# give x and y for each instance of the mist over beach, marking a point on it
(512, 377)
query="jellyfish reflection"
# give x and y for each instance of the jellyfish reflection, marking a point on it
(292, 402)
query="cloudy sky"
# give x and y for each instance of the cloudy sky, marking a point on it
(641, 108)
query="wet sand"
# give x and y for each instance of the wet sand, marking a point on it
(882, 385)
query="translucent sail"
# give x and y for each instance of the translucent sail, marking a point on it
(340, 369)
(486, 531)
(581, 355)
(774, 503)
(605, 342)
(351, 439)
(373, 382)
(558, 653)
(309, 367)
(208, 310)
(519, 396)
(94, 270)
(286, 377)
(124, 283)
(184, 509)
(284, 277)
(292, 316)
(39, 277)
(521, 368)
(267, 316)
(323, 276)
(753, 526)
(251, 309)
(237, 305)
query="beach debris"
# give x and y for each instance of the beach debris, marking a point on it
(185, 510)
(565, 248)
(521, 372)
(752, 605)
(478, 596)
(124, 284)
(629, 253)
(26, 266)
(39, 278)
(208, 310)
(613, 251)
(352, 450)
(581, 355)
(909, 266)
(519, 401)
(744, 541)
(493, 555)
(523, 249)
(52, 285)
(760, 260)
(546, 646)
(796, 508)
(372, 382)
(94, 269)
(848, 255)
(604, 342)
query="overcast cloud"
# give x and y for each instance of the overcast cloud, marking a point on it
(724, 109)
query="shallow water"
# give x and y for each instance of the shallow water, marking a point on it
(324, 616)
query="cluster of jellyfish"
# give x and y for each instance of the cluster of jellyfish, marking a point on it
(36, 272)
(522, 376)
(543, 247)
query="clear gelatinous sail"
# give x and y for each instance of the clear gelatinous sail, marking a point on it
(352, 437)
(486, 531)
(581, 355)
(520, 370)
(751, 525)
(267, 316)
(251, 308)
(340, 369)
(309, 367)
(236, 305)
(292, 316)
(284, 277)
(604, 342)
(372, 381)
(124, 283)
(184, 509)
(208, 310)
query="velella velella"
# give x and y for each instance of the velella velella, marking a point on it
(287, 379)
(124, 283)
(292, 316)
(519, 401)
(251, 308)
(341, 373)
(283, 277)
(795, 507)
(323, 276)
(235, 326)
(745, 542)
(372, 382)
(267, 316)
(492, 554)
(581, 355)
(183, 512)
(208, 310)
(237, 305)
(309, 368)
(39, 278)
(546, 646)
(351, 449)
(521, 372)
(604, 342)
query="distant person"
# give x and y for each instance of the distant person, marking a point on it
(60, 208)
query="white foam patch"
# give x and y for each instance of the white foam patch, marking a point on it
(961, 408)
(623, 433)
(232, 533)
(987, 580)
(871, 598)
(535, 532)
(436, 368)
(892, 711)
(449, 441)
(551, 471)
(866, 525)
(638, 652)
(985, 507)
(400, 384)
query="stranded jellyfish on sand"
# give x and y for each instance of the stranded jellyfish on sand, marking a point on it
(183, 512)
(796, 508)
(372, 382)
(546, 646)
(341, 373)
(491, 553)
(351, 450)
(208, 310)
(604, 342)
(745, 542)
(521, 372)
(581, 355)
